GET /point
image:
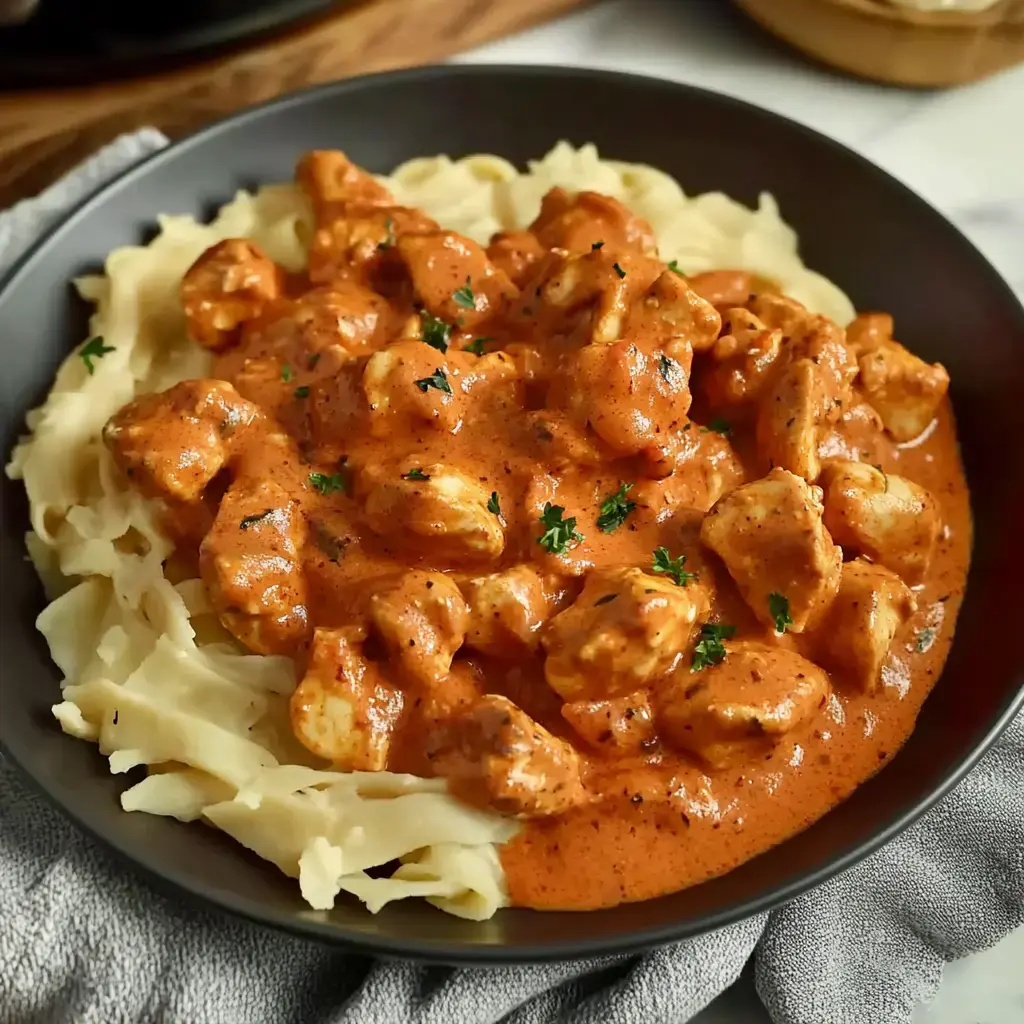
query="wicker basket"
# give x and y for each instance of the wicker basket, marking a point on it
(888, 43)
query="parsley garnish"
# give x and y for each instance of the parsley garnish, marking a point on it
(665, 563)
(619, 270)
(669, 368)
(415, 474)
(709, 649)
(476, 346)
(313, 360)
(389, 239)
(614, 509)
(675, 268)
(328, 483)
(464, 296)
(605, 600)
(251, 520)
(436, 380)
(302, 392)
(778, 609)
(93, 349)
(558, 532)
(596, 245)
(493, 504)
(286, 372)
(333, 547)
(925, 638)
(718, 426)
(436, 333)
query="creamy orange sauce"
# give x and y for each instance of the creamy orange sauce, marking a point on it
(305, 497)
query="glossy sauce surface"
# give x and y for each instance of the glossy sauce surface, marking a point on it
(416, 405)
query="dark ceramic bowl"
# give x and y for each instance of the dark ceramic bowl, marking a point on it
(882, 243)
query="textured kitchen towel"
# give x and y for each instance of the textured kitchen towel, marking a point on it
(84, 941)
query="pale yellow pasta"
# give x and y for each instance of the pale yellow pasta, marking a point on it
(149, 673)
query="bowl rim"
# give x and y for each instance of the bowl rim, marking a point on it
(181, 883)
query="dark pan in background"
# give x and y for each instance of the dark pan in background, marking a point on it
(885, 246)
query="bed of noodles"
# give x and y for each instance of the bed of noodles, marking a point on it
(151, 676)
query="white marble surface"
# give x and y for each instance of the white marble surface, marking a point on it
(963, 150)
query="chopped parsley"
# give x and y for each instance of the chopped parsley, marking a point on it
(252, 520)
(596, 245)
(389, 238)
(619, 270)
(415, 474)
(286, 372)
(558, 532)
(605, 600)
(94, 348)
(675, 268)
(464, 296)
(328, 483)
(436, 380)
(778, 609)
(436, 333)
(709, 649)
(669, 368)
(925, 638)
(476, 346)
(614, 509)
(332, 546)
(302, 392)
(669, 566)
(494, 504)
(717, 426)
(313, 360)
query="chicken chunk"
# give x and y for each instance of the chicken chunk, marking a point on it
(869, 331)
(673, 311)
(329, 178)
(579, 222)
(855, 636)
(172, 444)
(905, 390)
(230, 284)
(886, 517)
(625, 630)
(515, 252)
(411, 382)
(421, 616)
(622, 725)
(496, 756)
(506, 611)
(743, 360)
(439, 507)
(772, 539)
(728, 289)
(251, 563)
(454, 278)
(343, 710)
(740, 709)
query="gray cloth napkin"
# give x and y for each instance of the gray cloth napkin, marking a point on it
(83, 940)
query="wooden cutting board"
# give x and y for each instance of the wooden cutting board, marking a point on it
(45, 132)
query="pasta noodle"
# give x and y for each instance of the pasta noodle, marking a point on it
(148, 673)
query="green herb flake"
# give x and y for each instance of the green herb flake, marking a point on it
(709, 649)
(253, 520)
(313, 360)
(494, 504)
(436, 333)
(778, 609)
(607, 599)
(669, 566)
(619, 270)
(328, 483)
(389, 238)
(415, 474)
(476, 346)
(614, 509)
(558, 532)
(925, 639)
(464, 296)
(286, 372)
(436, 380)
(329, 544)
(302, 392)
(596, 245)
(675, 268)
(94, 348)
(718, 426)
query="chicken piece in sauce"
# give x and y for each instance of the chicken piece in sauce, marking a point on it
(251, 563)
(904, 389)
(411, 382)
(507, 610)
(620, 725)
(890, 519)
(728, 289)
(515, 253)
(329, 178)
(172, 444)
(343, 710)
(771, 536)
(855, 635)
(625, 630)
(740, 709)
(743, 361)
(496, 756)
(588, 221)
(421, 617)
(230, 284)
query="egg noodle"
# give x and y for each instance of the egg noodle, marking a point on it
(149, 673)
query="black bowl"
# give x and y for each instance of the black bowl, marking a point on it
(882, 243)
